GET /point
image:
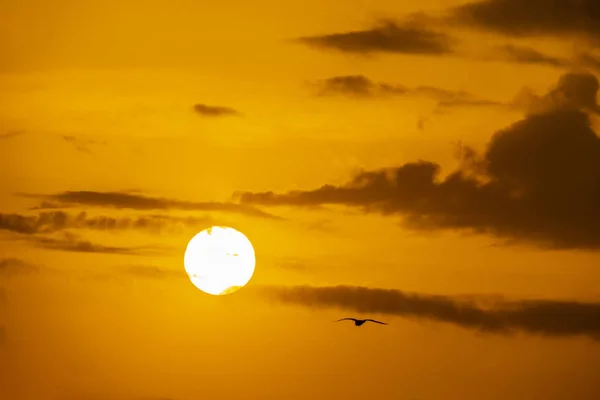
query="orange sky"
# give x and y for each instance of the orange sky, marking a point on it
(97, 115)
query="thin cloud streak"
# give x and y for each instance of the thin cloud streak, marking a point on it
(214, 111)
(10, 134)
(153, 272)
(70, 242)
(528, 55)
(362, 87)
(73, 244)
(123, 200)
(54, 221)
(539, 317)
(386, 37)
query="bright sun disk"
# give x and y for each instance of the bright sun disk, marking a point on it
(219, 260)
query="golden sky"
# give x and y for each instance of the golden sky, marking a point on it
(431, 164)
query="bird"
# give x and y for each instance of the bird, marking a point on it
(359, 322)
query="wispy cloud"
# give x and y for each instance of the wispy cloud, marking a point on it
(47, 205)
(13, 266)
(73, 243)
(54, 221)
(153, 272)
(360, 86)
(589, 60)
(11, 134)
(541, 317)
(292, 264)
(355, 86)
(132, 201)
(82, 145)
(386, 37)
(214, 111)
(528, 55)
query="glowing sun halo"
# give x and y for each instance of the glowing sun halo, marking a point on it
(219, 260)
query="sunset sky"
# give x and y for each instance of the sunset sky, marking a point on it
(431, 164)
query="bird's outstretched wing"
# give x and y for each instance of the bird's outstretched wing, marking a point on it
(346, 319)
(377, 322)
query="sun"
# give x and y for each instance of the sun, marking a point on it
(219, 260)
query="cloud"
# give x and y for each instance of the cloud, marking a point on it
(533, 17)
(136, 272)
(528, 55)
(12, 266)
(574, 91)
(153, 272)
(355, 86)
(72, 243)
(82, 145)
(214, 111)
(47, 205)
(538, 181)
(383, 37)
(589, 60)
(359, 86)
(386, 37)
(540, 317)
(10, 134)
(292, 264)
(322, 225)
(464, 103)
(123, 200)
(54, 221)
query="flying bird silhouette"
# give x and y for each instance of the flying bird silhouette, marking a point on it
(359, 322)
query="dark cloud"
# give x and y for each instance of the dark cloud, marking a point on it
(13, 266)
(73, 243)
(538, 181)
(574, 91)
(53, 221)
(356, 86)
(362, 87)
(43, 223)
(533, 17)
(214, 111)
(122, 200)
(47, 205)
(387, 37)
(528, 55)
(589, 60)
(541, 317)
